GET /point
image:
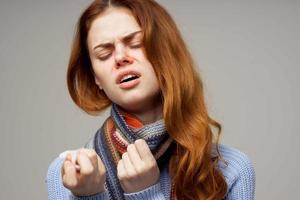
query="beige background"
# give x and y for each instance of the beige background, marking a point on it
(248, 52)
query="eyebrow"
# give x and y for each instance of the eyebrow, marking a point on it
(125, 39)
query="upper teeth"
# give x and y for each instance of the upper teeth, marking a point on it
(127, 76)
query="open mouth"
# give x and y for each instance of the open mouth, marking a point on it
(128, 78)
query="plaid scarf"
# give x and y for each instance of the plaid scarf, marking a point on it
(112, 139)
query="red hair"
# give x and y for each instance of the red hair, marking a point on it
(194, 173)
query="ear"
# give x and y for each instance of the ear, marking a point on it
(98, 83)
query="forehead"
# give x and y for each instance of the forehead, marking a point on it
(112, 24)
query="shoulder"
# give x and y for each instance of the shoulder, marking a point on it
(236, 166)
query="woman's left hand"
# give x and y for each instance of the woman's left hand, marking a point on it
(137, 169)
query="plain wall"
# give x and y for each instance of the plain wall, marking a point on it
(248, 54)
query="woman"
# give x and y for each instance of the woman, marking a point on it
(158, 142)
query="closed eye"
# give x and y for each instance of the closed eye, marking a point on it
(104, 57)
(136, 45)
(134, 40)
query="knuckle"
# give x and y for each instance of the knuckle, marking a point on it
(71, 184)
(93, 157)
(80, 154)
(130, 147)
(102, 172)
(88, 171)
(92, 153)
(124, 155)
(119, 164)
(103, 169)
(151, 161)
(131, 175)
(65, 184)
(139, 170)
(121, 176)
(150, 166)
(80, 151)
(66, 168)
(139, 141)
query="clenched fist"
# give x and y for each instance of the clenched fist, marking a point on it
(85, 175)
(137, 169)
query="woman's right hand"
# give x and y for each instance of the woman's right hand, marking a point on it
(88, 177)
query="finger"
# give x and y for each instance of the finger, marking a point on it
(122, 175)
(121, 170)
(135, 157)
(84, 162)
(130, 170)
(143, 150)
(67, 158)
(70, 157)
(91, 153)
(95, 160)
(69, 174)
(101, 166)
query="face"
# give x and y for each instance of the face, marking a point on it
(120, 66)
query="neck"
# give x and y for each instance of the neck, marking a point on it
(148, 114)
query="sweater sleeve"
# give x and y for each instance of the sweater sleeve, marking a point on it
(239, 174)
(151, 193)
(56, 190)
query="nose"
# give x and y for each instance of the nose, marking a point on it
(121, 56)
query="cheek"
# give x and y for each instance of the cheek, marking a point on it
(98, 75)
(101, 68)
(139, 55)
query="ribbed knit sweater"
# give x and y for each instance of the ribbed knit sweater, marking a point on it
(239, 175)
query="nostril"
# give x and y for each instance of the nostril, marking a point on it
(124, 61)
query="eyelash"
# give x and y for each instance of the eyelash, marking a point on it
(103, 58)
(133, 46)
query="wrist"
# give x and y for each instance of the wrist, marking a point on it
(97, 196)
(86, 193)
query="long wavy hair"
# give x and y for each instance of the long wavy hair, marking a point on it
(193, 170)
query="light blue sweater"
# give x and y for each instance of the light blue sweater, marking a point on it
(239, 175)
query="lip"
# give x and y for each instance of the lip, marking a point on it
(130, 84)
(124, 73)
